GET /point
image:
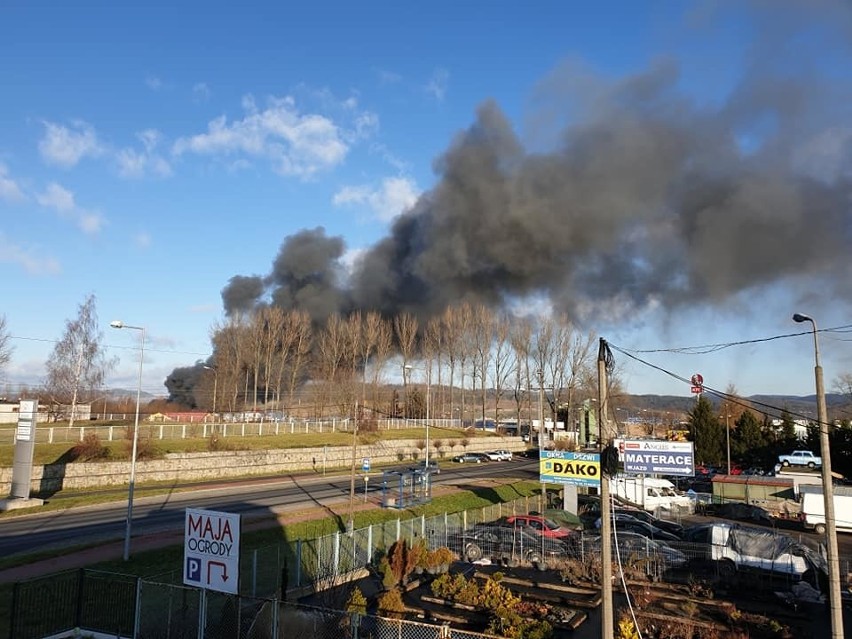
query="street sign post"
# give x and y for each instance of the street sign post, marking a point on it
(211, 554)
(697, 382)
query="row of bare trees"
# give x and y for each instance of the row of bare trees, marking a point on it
(470, 360)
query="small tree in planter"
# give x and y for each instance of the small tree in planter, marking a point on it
(419, 555)
(439, 560)
(390, 604)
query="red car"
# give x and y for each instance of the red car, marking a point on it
(541, 525)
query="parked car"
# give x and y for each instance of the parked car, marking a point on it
(499, 455)
(626, 523)
(633, 546)
(475, 458)
(538, 524)
(663, 524)
(800, 458)
(504, 544)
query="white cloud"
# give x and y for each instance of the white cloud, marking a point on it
(201, 91)
(437, 85)
(153, 82)
(66, 146)
(33, 262)
(57, 197)
(394, 196)
(136, 164)
(296, 144)
(9, 189)
(62, 201)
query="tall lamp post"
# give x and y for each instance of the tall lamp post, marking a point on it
(835, 602)
(120, 324)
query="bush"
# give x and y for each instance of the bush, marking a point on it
(90, 449)
(390, 604)
(357, 602)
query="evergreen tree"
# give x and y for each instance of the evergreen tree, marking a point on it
(707, 433)
(747, 439)
(788, 431)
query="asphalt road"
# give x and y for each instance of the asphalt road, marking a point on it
(24, 534)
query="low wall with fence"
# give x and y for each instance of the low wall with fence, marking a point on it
(239, 463)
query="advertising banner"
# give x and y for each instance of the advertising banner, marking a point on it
(563, 467)
(657, 457)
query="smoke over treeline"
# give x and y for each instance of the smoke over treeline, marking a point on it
(645, 197)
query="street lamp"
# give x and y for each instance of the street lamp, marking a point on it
(428, 374)
(827, 492)
(120, 324)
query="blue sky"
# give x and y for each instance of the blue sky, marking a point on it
(149, 153)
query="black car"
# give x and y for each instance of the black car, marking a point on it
(504, 544)
(633, 546)
(627, 523)
(663, 524)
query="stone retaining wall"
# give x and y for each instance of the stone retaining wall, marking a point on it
(239, 463)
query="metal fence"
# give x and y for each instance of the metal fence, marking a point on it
(162, 607)
(202, 429)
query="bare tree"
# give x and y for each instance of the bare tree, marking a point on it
(405, 328)
(331, 357)
(521, 339)
(452, 329)
(502, 360)
(5, 344)
(78, 364)
(383, 333)
(481, 336)
(432, 344)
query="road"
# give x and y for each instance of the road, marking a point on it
(23, 534)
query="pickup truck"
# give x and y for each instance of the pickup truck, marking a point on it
(800, 458)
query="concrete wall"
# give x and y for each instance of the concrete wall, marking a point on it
(181, 467)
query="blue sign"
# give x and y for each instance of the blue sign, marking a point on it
(365, 465)
(655, 457)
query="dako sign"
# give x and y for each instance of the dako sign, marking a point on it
(212, 550)
(562, 467)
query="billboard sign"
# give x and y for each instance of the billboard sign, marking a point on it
(211, 553)
(563, 467)
(651, 456)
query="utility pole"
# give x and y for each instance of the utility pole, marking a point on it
(351, 525)
(606, 523)
(540, 410)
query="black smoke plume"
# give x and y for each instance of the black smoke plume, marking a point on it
(644, 198)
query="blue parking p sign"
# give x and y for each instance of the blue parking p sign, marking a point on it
(365, 465)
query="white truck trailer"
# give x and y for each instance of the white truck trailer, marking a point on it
(813, 508)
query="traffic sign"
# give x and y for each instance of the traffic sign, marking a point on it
(365, 465)
(211, 553)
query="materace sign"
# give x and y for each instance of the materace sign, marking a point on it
(649, 456)
(211, 553)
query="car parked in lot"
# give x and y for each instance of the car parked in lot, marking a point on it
(504, 544)
(538, 524)
(475, 458)
(499, 455)
(800, 458)
(626, 523)
(663, 524)
(632, 546)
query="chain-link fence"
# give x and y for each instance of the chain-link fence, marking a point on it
(161, 606)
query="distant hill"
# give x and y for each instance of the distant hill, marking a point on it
(798, 405)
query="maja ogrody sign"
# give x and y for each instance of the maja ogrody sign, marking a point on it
(649, 457)
(211, 553)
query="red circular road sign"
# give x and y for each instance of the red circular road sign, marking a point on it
(697, 379)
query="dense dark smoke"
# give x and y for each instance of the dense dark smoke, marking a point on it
(644, 198)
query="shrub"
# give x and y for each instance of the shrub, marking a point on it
(357, 602)
(91, 448)
(390, 604)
